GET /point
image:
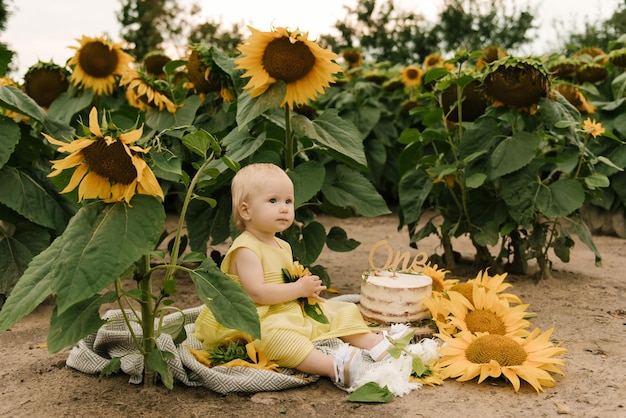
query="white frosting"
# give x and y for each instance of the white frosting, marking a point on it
(389, 297)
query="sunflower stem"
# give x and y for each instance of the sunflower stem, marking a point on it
(289, 157)
(172, 265)
(147, 321)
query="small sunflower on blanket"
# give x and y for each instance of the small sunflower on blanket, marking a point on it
(237, 350)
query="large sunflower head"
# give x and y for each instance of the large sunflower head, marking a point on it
(96, 63)
(154, 63)
(145, 92)
(107, 164)
(45, 81)
(517, 83)
(290, 57)
(467, 356)
(487, 313)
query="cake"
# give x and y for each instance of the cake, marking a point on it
(390, 297)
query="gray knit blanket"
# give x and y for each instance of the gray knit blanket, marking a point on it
(113, 339)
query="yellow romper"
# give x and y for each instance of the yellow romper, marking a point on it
(287, 333)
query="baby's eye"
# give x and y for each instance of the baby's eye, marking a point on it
(273, 200)
(288, 201)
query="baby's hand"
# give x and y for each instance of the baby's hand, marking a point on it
(311, 286)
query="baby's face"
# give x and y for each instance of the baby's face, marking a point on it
(271, 208)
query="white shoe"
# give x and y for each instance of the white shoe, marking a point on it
(347, 365)
(380, 351)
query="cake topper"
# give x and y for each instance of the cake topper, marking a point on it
(401, 260)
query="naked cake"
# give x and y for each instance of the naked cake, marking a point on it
(390, 297)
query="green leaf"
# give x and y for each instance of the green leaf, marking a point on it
(249, 109)
(166, 164)
(560, 198)
(101, 241)
(340, 137)
(371, 392)
(156, 362)
(14, 258)
(77, 321)
(307, 178)
(580, 228)
(15, 99)
(475, 180)
(337, 240)
(176, 329)
(229, 303)
(313, 240)
(347, 188)
(315, 311)
(513, 153)
(597, 180)
(98, 245)
(9, 137)
(414, 188)
(199, 142)
(114, 365)
(25, 195)
(418, 367)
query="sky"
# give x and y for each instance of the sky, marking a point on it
(44, 30)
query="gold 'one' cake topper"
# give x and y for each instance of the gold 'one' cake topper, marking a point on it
(401, 260)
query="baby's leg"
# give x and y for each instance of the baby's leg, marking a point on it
(366, 340)
(318, 363)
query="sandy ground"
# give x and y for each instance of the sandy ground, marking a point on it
(584, 304)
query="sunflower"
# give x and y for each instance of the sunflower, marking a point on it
(467, 356)
(154, 63)
(45, 81)
(439, 277)
(412, 76)
(439, 308)
(145, 92)
(96, 63)
(107, 167)
(593, 128)
(282, 55)
(353, 57)
(495, 283)
(488, 313)
(517, 83)
(575, 97)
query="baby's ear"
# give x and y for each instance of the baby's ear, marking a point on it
(243, 211)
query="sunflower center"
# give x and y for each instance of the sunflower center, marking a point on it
(97, 59)
(412, 74)
(505, 350)
(286, 61)
(110, 161)
(466, 289)
(484, 321)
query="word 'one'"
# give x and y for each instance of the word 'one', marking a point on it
(401, 260)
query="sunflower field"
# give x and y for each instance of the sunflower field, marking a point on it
(95, 153)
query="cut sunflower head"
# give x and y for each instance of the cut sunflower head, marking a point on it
(438, 275)
(532, 358)
(107, 165)
(96, 63)
(290, 57)
(145, 92)
(487, 313)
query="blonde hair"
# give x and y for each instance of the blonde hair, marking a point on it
(247, 181)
